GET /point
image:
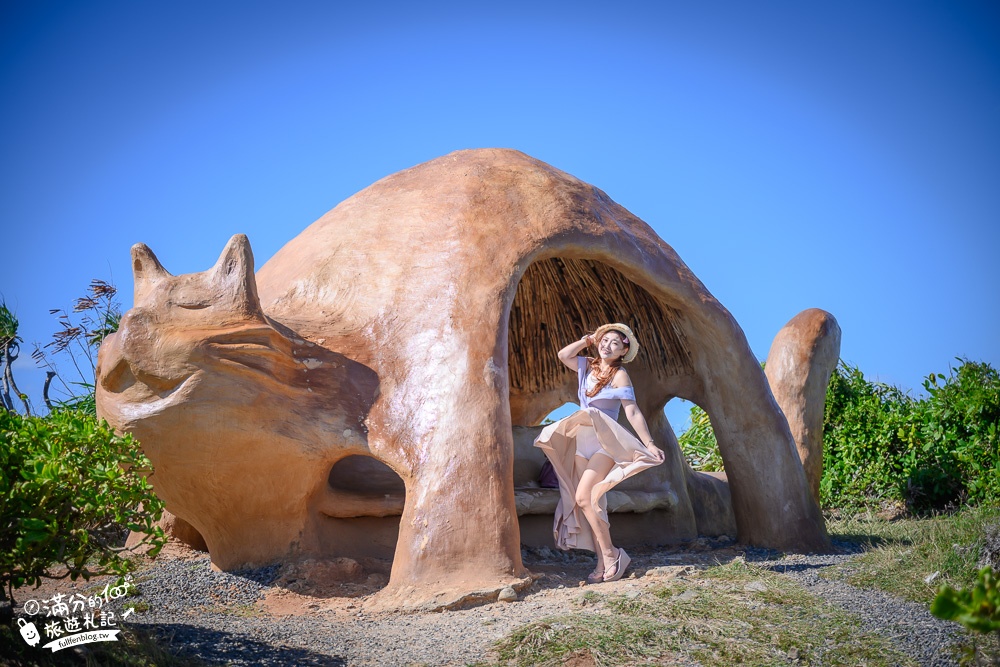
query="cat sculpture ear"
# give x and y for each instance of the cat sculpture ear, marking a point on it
(146, 271)
(233, 277)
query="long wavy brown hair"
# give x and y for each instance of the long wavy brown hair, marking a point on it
(604, 378)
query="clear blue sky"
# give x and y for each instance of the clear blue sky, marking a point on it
(796, 154)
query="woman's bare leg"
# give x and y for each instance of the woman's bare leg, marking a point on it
(597, 469)
(598, 573)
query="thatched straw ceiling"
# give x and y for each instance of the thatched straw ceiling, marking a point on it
(559, 299)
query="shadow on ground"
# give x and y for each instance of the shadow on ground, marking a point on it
(865, 542)
(175, 643)
(215, 647)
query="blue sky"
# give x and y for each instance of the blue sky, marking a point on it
(836, 155)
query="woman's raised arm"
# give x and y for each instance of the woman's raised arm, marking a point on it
(568, 354)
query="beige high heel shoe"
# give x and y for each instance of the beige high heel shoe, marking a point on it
(619, 566)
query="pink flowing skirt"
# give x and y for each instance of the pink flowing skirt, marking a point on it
(559, 443)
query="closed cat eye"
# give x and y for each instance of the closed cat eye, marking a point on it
(195, 305)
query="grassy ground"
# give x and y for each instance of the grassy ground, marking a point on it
(734, 613)
(730, 614)
(902, 555)
(913, 558)
(740, 614)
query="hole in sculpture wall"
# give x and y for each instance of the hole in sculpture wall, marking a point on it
(365, 475)
(697, 441)
(362, 513)
(564, 410)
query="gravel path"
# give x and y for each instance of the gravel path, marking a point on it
(245, 619)
(909, 625)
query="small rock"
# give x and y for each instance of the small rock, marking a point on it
(377, 579)
(758, 586)
(668, 571)
(508, 594)
(793, 653)
(931, 577)
(687, 595)
(989, 555)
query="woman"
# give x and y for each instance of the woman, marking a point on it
(591, 453)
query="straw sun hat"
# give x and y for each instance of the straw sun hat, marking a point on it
(633, 344)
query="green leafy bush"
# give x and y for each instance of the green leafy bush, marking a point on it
(869, 440)
(977, 608)
(935, 453)
(698, 443)
(960, 436)
(68, 488)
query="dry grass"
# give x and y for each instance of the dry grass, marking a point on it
(730, 614)
(901, 555)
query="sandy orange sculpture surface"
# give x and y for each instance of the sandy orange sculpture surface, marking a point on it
(802, 358)
(384, 364)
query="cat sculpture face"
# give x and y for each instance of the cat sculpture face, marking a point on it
(241, 418)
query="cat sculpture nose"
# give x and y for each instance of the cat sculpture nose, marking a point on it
(113, 371)
(124, 359)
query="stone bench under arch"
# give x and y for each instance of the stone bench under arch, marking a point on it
(374, 494)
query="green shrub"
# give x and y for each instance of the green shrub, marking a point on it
(935, 453)
(960, 434)
(868, 440)
(68, 488)
(698, 443)
(977, 608)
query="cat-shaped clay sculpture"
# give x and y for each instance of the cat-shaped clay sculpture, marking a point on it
(377, 364)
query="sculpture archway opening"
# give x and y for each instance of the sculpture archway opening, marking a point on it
(701, 442)
(365, 476)
(557, 300)
(362, 511)
(563, 410)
